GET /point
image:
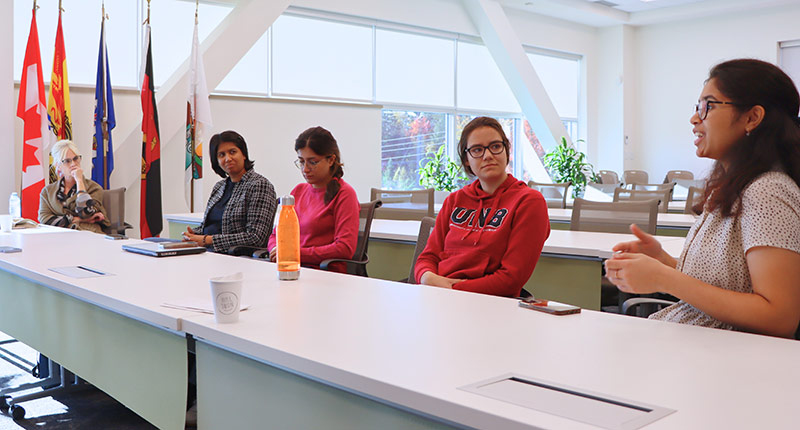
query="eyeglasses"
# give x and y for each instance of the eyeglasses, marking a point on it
(74, 159)
(300, 163)
(702, 107)
(477, 151)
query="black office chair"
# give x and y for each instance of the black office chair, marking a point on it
(114, 203)
(425, 229)
(358, 264)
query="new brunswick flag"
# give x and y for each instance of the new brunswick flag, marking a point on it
(198, 120)
(58, 106)
(150, 222)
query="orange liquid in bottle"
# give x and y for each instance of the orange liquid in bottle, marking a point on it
(288, 238)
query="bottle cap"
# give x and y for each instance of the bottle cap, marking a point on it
(287, 200)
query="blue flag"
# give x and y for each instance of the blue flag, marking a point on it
(104, 121)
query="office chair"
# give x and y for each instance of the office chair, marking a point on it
(635, 177)
(694, 195)
(358, 264)
(425, 229)
(672, 175)
(609, 177)
(661, 196)
(404, 204)
(554, 194)
(114, 203)
(614, 217)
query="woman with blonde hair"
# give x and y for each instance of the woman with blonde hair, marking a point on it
(73, 201)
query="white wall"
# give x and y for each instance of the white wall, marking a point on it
(673, 61)
(8, 110)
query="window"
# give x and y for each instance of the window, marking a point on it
(481, 86)
(318, 58)
(414, 69)
(249, 75)
(406, 138)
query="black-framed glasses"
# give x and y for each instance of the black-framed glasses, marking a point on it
(300, 163)
(495, 148)
(75, 159)
(703, 106)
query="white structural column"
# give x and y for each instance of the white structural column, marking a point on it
(631, 105)
(222, 49)
(8, 161)
(506, 50)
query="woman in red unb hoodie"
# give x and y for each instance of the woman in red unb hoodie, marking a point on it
(489, 234)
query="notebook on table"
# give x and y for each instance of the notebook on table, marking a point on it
(160, 250)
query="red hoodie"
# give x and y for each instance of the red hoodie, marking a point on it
(495, 252)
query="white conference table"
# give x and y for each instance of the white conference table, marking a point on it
(338, 351)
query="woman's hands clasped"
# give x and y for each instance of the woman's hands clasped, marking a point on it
(640, 266)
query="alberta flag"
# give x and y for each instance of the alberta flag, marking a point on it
(104, 120)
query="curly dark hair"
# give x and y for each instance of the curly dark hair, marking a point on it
(775, 142)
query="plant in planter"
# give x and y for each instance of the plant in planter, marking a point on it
(439, 172)
(566, 164)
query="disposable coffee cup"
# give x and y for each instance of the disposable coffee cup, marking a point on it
(226, 295)
(6, 222)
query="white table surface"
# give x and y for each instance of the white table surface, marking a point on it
(414, 346)
(664, 219)
(582, 243)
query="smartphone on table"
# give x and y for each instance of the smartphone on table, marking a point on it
(549, 306)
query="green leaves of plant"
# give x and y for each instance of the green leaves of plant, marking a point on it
(439, 172)
(566, 164)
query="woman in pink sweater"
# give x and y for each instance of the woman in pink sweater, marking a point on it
(488, 235)
(327, 206)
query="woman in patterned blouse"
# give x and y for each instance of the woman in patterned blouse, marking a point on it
(73, 201)
(241, 208)
(740, 266)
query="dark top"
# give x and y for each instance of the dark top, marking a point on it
(213, 223)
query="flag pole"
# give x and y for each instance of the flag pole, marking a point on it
(191, 165)
(103, 123)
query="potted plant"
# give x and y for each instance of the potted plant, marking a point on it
(566, 164)
(439, 172)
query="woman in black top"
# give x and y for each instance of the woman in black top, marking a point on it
(241, 209)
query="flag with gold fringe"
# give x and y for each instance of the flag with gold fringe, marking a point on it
(198, 121)
(104, 118)
(58, 105)
(31, 108)
(150, 222)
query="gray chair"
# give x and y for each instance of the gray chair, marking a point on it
(358, 264)
(114, 203)
(607, 189)
(644, 306)
(614, 217)
(425, 229)
(672, 175)
(694, 195)
(656, 187)
(404, 204)
(554, 194)
(660, 196)
(609, 177)
(635, 177)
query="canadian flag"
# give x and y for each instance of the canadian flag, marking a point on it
(32, 108)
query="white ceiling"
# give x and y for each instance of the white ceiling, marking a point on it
(638, 12)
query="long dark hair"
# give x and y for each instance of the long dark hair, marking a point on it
(322, 142)
(774, 142)
(481, 121)
(234, 138)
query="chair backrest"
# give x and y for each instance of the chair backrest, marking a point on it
(365, 217)
(660, 196)
(672, 175)
(694, 195)
(656, 187)
(114, 203)
(607, 189)
(609, 177)
(614, 217)
(554, 194)
(404, 204)
(635, 177)
(425, 229)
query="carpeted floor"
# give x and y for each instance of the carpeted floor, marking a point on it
(88, 408)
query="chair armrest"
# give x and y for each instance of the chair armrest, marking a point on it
(630, 305)
(255, 251)
(325, 263)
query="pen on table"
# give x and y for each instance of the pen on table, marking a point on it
(91, 270)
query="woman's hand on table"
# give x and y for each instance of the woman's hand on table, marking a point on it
(189, 236)
(434, 280)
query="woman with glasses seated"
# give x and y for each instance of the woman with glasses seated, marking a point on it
(740, 265)
(488, 235)
(73, 201)
(327, 206)
(241, 208)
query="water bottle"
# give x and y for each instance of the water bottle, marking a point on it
(15, 206)
(288, 238)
